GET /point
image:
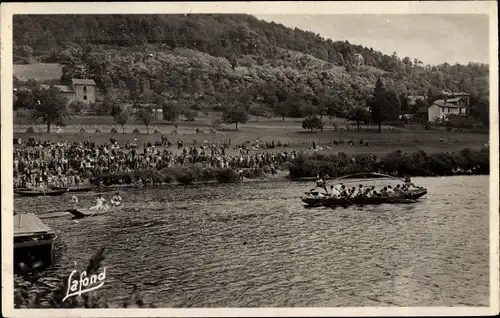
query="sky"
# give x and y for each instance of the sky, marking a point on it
(433, 39)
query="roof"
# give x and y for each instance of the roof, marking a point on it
(22, 89)
(78, 81)
(62, 88)
(29, 223)
(454, 94)
(441, 103)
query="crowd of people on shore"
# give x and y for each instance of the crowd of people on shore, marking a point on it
(64, 163)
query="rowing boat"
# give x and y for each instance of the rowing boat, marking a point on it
(76, 189)
(37, 193)
(83, 213)
(312, 199)
(400, 199)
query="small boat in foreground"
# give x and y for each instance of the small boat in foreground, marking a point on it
(37, 192)
(33, 241)
(83, 213)
(314, 199)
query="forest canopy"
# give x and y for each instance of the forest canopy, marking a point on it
(205, 60)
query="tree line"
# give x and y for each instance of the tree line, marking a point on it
(200, 61)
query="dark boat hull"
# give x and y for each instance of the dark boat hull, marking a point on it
(37, 193)
(83, 213)
(75, 189)
(408, 197)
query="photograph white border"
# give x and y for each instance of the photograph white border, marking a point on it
(374, 7)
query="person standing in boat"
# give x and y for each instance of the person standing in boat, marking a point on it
(320, 183)
(408, 182)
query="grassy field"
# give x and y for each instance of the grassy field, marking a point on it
(38, 71)
(266, 129)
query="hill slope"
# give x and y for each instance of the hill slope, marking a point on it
(211, 59)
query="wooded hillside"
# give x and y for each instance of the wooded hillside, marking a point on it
(206, 60)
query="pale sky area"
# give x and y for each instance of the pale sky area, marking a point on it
(433, 39)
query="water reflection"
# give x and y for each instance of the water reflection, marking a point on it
(252, 245)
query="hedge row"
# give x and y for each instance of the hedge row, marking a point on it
(466, 161)
(181, 174)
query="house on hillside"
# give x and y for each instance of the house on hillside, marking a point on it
(80, 90)
(448, 106)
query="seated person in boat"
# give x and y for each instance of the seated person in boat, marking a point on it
(359, 192)
(352, 192)
(368, 192)
(116, 200)
(384, 192)
(99, 203)
(398, 190)
(390, 190)
(74, 199)
(334, 191)
(343, 191)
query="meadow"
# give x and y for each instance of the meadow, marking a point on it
(289, 132)
(38, 71)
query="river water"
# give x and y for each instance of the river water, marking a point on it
(255, 245)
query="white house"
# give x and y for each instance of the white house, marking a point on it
(80, 90)
(448, 106)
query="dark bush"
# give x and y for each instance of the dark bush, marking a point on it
(227, 175)
(416, 164)
(185, 175)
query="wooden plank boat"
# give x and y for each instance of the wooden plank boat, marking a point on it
(36, 192)
(400, 199)
(83, 213)
(409, 196)
(75, 189)
(33, 241)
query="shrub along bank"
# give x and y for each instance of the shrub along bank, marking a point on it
(180, 174)
(466, 161)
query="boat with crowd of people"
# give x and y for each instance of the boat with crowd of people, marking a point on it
(372, 189)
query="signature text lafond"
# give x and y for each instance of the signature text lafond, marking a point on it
(84, 284)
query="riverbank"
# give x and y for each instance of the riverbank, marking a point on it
(306, 167)
(398, 164)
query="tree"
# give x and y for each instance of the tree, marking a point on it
(281, 109)
(313, 122)
(76, 107)
(384, 104)
(170, 111)
(256, 110)
(146, 115)
(482, 111)
(122, 118)
(357, 114)
(49, 106)
(23, 99)
(234, 115)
